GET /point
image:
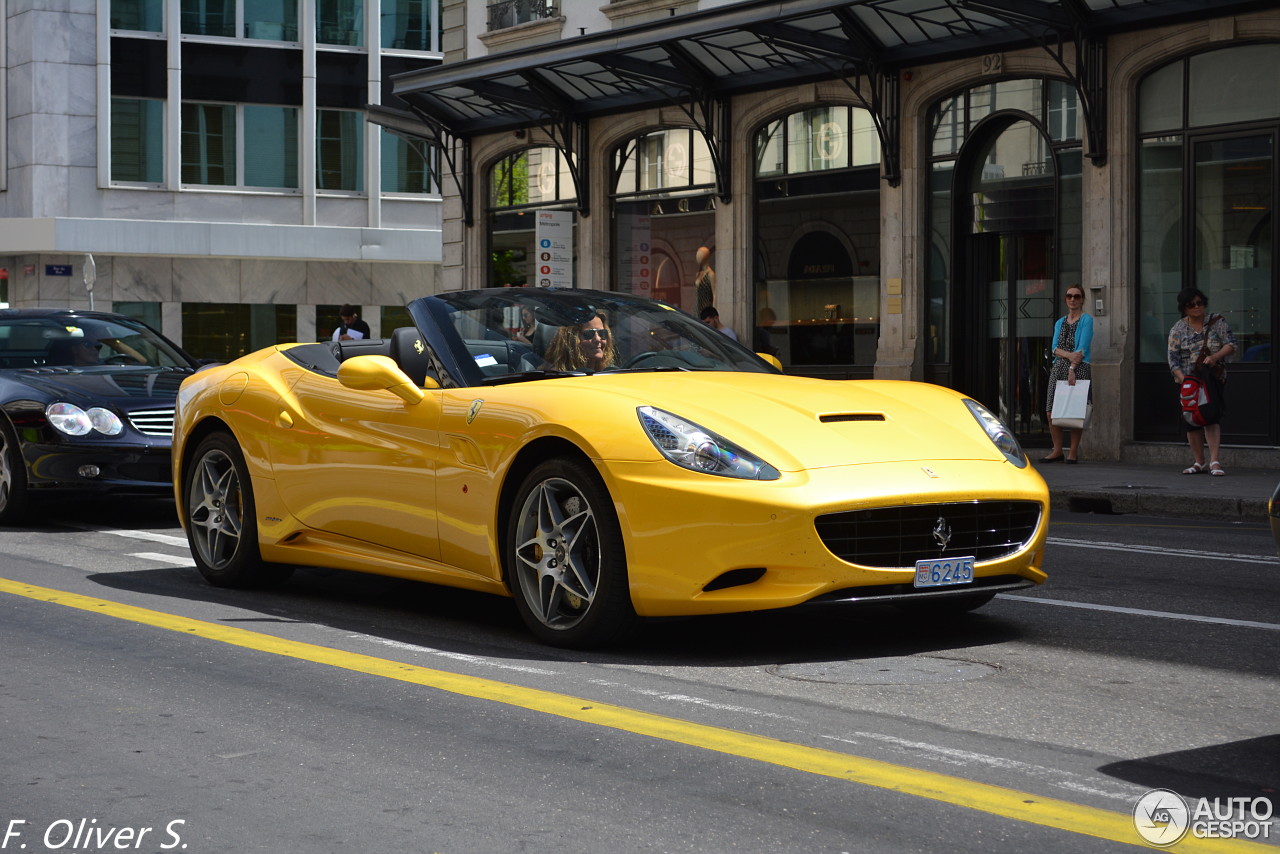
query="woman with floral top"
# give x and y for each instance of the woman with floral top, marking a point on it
(1195, 334)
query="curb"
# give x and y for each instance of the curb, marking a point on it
(1141, 501)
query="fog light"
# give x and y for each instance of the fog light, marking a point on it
(89, 471)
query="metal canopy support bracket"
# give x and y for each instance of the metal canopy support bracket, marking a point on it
(709, 114)
(1049, 27)
(568, 135)
(455, 150)
(849, 60)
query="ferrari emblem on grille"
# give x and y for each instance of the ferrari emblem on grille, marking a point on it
(941, 532)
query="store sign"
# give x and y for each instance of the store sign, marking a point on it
(553, 242)
(57, 269)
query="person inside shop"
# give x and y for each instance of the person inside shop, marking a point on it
(711, 316)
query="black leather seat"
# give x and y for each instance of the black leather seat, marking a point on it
(410, 353)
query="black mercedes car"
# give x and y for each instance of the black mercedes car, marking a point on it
(86, 406)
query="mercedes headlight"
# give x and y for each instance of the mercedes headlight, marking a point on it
(1000, 435)
(698, 449)
(74, 421)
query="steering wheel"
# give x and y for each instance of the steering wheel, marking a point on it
(121, 359)
(639, 358)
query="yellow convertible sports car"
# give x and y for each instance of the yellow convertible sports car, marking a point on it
(599, 457)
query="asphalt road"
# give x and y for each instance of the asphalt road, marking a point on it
(346, 712)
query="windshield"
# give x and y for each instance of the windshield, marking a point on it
(517, 333)
(70, 341)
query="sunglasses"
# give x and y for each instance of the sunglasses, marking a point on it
(89, 346)
(1075, 296)
(588, 334)
(1197, 304)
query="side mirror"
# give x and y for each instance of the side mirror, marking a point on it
(379, 373)
(773, 360)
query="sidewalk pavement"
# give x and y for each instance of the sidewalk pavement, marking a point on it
(1157, 490)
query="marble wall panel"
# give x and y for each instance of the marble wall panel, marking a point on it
(279, 209)
(206, 279)
(82, 143)
(198, 206)
(21, 89)
(138, 204)
(397, 284)
(337, 282)
(138, 278)
(404, 213)
(58, 290)
(82, 32)
(23, 282)
(273, 282)
(82, 97)
(349, 212)
(52, 190)
(20, 134)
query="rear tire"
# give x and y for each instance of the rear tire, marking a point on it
(566, 565)
(219, 512)
(14, 500)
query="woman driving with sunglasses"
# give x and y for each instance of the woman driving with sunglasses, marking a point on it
(582, 347)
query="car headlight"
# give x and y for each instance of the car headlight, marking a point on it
(74, 421)
(698, 449)
(1001, 436)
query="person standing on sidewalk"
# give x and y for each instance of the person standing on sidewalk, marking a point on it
(1197, 340)
(1072, 339)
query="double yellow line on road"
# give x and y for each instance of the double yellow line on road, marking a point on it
(996, 800)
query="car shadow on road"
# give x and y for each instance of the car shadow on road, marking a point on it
(460, 621)
(1237, 769)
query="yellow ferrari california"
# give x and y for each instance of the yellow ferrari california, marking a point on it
(599, 457)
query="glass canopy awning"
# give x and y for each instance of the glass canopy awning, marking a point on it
(698, 61)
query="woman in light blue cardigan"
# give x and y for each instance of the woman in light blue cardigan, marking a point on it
(1072, 337)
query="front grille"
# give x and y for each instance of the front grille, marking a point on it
(153, 422)
(900, 536)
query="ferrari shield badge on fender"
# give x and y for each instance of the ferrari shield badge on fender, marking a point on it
(475, 409)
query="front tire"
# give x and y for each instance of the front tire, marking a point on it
(565, 560)
(14, 501)
(221, 526)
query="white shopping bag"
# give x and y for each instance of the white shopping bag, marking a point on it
(1071, 406)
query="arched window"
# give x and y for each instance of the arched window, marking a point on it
(1005, 235)
(521, 185)
(1208, 126)
(817, 277)
(663, 214)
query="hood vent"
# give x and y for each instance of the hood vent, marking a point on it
(851, 416)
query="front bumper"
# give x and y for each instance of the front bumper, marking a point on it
(684, 532)
(98, 467)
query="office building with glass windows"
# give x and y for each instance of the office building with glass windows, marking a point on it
(889, 188)
(212, 159)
